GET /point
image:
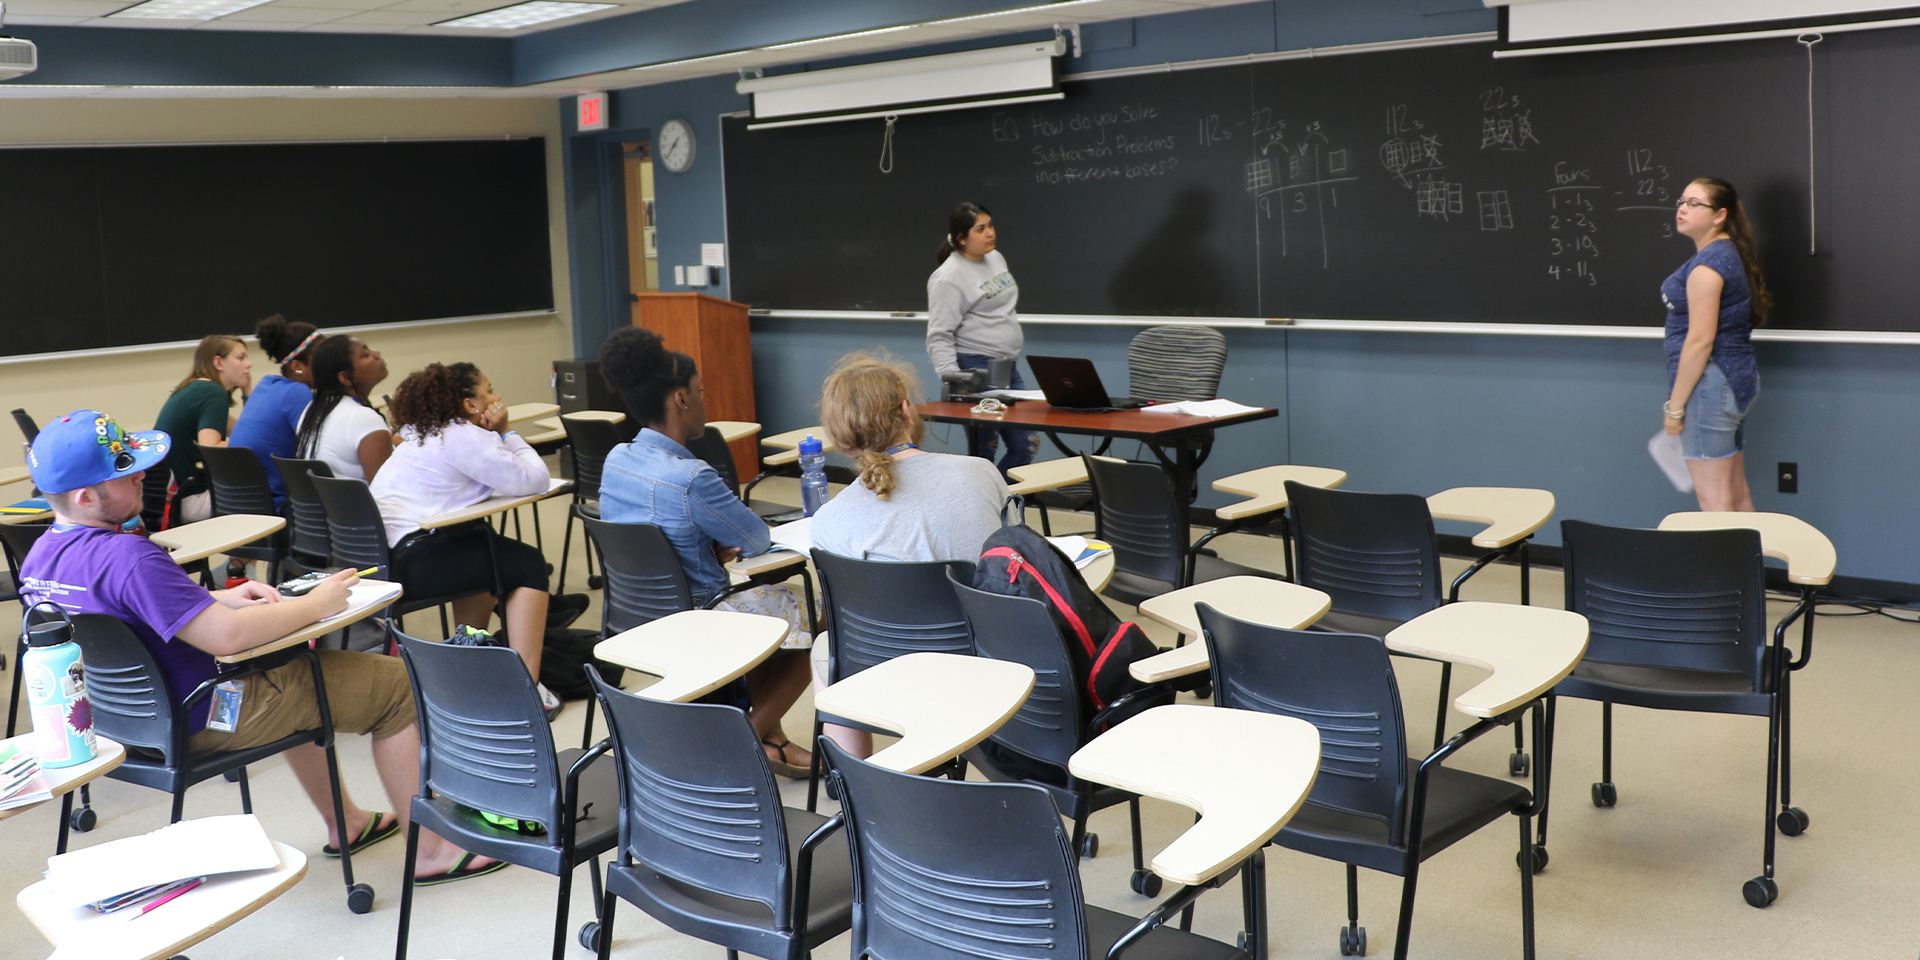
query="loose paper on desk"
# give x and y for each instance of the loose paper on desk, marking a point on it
(367, 593)
(1014, 394)
(1203, 408)
(796, 536)
(206, 847)
(1665, 450)
(1079, 549)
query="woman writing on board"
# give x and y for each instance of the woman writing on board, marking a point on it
(1713, 303)
(971, 320)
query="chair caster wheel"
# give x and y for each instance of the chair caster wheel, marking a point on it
(1760, 891)
(1090, 846)
(360, 898)
(232, 776)
(596, 581)
(1539, 859)
(590, 935)
(1353, 941)
(1145, 883)
(1604, 795)
(83, 820)
(1204, 691)
(1518, 764)
(1792, 821)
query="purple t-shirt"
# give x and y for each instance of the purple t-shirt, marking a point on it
(90, 570)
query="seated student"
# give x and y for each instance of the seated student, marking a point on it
(269, 425)
(455, 451)
(656, 480)
(91, 471)
(909, 504)
(198, 412)
(340, 427)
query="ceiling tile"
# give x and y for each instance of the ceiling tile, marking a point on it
(42, 20)
(279, 13)
(336, 26)
(63, 8)
(405, 18)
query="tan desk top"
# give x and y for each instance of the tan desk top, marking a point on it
(731, 430)
(789, 442)
(1246, 773)
(609, 416)
(493, 505)
(1275, 603)
(941, 704)
(694, 652)
(197, 541)
(1809, 554)
(1511, 513)
(26, 517)
(78, 933)
(529, 411)
(1050, 475)
(64, 780)
(365, 599)
(774, 559)
(1529, 649)
(545, 434)
(1098, 573)
(1268, 487)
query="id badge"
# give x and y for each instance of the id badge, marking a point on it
(224, 714)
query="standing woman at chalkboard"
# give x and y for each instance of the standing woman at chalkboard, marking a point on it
(971, 320)
(1713, 303)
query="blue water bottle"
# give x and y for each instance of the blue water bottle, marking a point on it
(57, 691)
(813, 476)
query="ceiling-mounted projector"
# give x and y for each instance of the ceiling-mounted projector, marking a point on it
(17, 57)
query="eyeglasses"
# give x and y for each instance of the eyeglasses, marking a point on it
(1686, 202)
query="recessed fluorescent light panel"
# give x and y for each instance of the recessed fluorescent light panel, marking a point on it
(519, 15)
(184, 9)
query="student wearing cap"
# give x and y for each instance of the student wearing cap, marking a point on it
(91, 471)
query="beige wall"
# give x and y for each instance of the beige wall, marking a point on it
(132, 386)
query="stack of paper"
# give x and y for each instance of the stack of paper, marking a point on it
(1080, 550)
(207, 847)
(796, 536)
(20, 782)
(1202, 408)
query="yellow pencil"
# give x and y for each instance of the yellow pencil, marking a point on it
(367, 571)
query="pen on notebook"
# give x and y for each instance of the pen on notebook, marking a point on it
(183, 888)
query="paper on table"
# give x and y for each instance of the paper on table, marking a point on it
(1014, 394)
(1079, 549)
(367, 593)
(796, 536)
(1664, 448)
(208, 846)
(1202, 408)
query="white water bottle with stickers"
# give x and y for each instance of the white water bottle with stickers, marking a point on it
(56, 683)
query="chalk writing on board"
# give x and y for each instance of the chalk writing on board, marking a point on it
(1408, 149)
(1504, 125)
(1300, 176)
(1005, 128)
(1089, 146)
(1496, 211)
(1572, 225)
(1652, 190)
(1437, 198)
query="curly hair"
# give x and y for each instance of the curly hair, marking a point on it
(640, 368)
(429, 399)
(860, 407)
(279, 337)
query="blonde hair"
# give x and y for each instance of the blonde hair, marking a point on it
(860, 409)
(211, 347)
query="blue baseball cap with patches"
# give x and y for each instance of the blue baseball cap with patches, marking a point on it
(86, 447)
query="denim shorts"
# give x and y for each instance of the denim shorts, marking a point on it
(1715, 426)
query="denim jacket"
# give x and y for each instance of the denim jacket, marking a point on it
(655, 480)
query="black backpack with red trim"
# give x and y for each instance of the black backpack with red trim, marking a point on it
(1019, 562)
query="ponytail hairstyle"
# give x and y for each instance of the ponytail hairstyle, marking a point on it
(330, 358)
(959, 223)
(640, 368)
(860, 409)
(1721, 194)
(285, 340)
(430, 399)
(211, 347)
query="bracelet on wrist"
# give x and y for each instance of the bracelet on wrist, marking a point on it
(1672, 414)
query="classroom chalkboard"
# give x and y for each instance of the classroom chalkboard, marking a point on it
(116, 246)
(1420, 184)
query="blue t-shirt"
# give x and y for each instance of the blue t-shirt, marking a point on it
(1733, 343)
(269, 425)
(129, 578)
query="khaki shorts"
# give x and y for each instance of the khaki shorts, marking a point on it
(366, 693)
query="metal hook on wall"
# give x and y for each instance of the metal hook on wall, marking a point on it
(886, 145)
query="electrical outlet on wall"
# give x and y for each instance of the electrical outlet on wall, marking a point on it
(1789, 477)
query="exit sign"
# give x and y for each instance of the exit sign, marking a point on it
(591, 111)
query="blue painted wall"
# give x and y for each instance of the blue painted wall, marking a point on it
(1406, 412)
(89, 55)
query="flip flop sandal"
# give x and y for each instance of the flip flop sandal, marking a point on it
(382, 826)
(460, 871)
(781, 766)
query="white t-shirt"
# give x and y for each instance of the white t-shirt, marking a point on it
(338, 444)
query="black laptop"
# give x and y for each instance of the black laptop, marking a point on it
(1071, 383)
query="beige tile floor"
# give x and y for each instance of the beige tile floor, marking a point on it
(1657, 876)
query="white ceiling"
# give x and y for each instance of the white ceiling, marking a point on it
(1039, 16)
(307, 16)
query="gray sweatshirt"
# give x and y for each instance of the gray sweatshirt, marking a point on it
(970, 308)
(942, 507)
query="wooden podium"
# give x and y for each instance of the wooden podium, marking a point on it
(714, 333)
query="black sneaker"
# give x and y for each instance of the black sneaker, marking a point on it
(564, 609)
